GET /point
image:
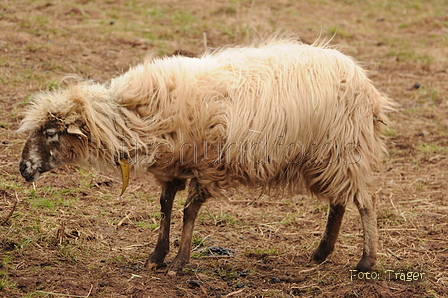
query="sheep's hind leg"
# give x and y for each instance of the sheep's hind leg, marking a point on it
(169, 191)
(369, 225)
(197, 195)
(331, 233)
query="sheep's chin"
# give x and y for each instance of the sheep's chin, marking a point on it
(33, 177)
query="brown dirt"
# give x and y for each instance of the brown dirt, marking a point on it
(71, 236)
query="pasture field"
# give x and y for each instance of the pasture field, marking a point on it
(70, 235)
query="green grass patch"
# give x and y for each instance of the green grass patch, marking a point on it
(68, 253)
(147, 225)
(432, 148)
(222, 218)
(227, 274)
(5, 125)
(428, 94)
(198, 240)
(55, 199)
(409, 55)
(289, 219)
(389, 217)
(390, 132)
(5, 282)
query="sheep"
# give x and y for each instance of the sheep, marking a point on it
(277, 115)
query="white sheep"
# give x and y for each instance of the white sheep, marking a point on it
(280, 115)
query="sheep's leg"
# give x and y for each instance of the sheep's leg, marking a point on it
(197, 195)
(169, 191)
(331, 233)
(369, 225)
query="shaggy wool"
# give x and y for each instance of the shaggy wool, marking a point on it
(280, 115)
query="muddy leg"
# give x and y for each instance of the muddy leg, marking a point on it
(369, 225)
(330, 235)
(197, 195)
(169, 191)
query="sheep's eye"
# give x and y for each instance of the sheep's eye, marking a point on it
(51, 132)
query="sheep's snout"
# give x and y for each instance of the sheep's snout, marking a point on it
(35, 159)
(28, 171)
(30, 163)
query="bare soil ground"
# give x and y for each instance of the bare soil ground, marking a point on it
(70, 235)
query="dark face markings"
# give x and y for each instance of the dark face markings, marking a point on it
(49, 148)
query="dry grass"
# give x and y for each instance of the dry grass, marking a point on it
(69, 235)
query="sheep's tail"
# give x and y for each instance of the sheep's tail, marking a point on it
(383, 106)
(376, 148)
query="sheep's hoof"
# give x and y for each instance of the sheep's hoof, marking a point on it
(154, 266)
(175, 268)
(366, 264)
(319, 255)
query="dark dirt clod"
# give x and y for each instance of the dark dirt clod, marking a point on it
(217, 251)
(194, 283)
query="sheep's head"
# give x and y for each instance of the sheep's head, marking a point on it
(57, 135)
(72, 126)
(50, 147)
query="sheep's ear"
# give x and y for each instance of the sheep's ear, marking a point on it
(73, 129)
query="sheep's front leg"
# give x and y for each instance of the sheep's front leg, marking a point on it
(331, 233)
(369, 225)
(169, 191)
(197, 195)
